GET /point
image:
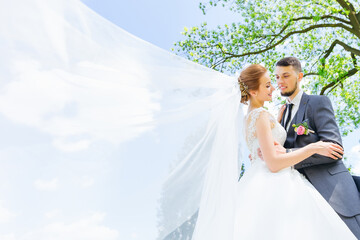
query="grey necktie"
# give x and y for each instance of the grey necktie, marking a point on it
(288, 109)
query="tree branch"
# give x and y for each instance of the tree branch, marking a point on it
(344, 45)
(326, 7)
(344, 5)
(352, 15)
(306, 18)
(350, 73)
(354, 59)
(322, 17)
(338, 81)
(311, 74)
(223, 60)
(288, 35)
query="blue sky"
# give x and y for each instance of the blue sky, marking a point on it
(159, 22)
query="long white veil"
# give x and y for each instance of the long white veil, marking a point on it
(99, 123)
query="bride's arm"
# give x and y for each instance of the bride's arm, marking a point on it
(277, 161)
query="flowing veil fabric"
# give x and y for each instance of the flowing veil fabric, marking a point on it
(80, 97)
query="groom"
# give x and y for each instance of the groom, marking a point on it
(330, 177)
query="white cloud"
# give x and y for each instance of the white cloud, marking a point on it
(90, 228)
(356, 169)
(68, 146)
(86, 181)
(6, 215)
(44, 185)
(100, 103)
(134, 235)
(356, 149)
(10, 236)
(53, 213)
(354, 159)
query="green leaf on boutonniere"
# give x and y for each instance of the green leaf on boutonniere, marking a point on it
(305, 126)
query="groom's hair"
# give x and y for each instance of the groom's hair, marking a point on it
(290, 61)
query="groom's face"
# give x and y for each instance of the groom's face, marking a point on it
(287, 79)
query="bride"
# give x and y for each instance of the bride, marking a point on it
(274, 201)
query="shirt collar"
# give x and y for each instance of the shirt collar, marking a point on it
(297, 98)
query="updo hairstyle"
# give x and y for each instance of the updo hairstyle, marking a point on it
(249, 79)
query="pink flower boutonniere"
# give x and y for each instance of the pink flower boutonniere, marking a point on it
(302, 128)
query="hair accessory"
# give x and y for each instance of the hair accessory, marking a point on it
(243, 88)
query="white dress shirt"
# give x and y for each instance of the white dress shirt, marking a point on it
(296, 101)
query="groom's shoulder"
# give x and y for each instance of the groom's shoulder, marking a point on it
(318, 100)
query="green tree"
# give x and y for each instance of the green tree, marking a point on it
(323, 34)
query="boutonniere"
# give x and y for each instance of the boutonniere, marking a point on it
(302, 128)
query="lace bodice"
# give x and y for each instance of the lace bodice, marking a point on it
(278, 132)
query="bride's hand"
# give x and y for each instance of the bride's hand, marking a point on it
(281, 113)
(328, 149)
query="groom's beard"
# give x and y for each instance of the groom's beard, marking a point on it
(291, 92)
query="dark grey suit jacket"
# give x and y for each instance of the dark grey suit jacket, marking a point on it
(330, 177)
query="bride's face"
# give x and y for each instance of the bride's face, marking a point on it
(264, 93)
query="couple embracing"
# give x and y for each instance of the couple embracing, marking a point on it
(297, 188)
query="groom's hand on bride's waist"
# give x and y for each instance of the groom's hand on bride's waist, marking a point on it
(260, 154)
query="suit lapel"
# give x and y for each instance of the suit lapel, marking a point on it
(299, 116)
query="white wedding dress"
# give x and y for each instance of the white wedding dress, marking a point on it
(282, 205)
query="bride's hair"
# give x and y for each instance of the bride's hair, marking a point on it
(249, 80)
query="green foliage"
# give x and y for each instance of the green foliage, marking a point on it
(242, 171)
(323, 34)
